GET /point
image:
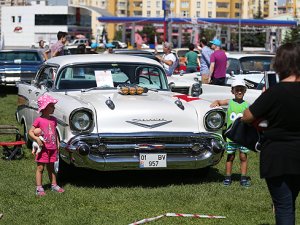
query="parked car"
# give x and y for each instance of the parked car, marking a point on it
(73, 49)
(116, 112)
(119, 44)
(36, 44)
(79, 41)
(19, 65)
(250, 67)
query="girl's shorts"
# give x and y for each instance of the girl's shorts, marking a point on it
(233, 147)
(47, 156)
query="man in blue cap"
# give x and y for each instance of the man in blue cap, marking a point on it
(218, 63)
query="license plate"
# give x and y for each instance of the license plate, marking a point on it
(153, 160)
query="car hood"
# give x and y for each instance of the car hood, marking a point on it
(150, 111)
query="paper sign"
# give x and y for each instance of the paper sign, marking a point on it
(104, 78)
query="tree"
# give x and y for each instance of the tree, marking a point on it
(257, 39)
(293, 34)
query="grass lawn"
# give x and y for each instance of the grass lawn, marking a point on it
(124, 197)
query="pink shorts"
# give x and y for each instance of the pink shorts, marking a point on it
(47, 156)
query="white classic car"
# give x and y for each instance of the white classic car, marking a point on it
(249, 67)
(116, 112)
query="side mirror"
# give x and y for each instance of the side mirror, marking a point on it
(171, 85)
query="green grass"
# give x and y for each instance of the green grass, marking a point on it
(124, 197)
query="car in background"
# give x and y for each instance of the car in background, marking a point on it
(75, 49)
(116, 112)
(80, 41)
(119, 44)
(249, 67)
(19, 65)
(36, 44)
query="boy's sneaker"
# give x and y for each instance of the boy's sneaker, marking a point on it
(245, 182)
(57, 188)
(40, 192)
(227, 181)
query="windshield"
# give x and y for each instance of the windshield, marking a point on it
(110, 76)
(19, 57)
(256, 64)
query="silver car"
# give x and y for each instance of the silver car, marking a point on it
(116, 112)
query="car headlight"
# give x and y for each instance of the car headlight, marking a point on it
(81, 119)
(214, 120)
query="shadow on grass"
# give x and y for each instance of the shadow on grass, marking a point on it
(7, 90)
(91, 178)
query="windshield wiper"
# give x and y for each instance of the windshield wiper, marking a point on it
(95, 88)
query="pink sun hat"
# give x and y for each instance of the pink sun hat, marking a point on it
(44, 101)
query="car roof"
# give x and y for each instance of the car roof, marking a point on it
(20, 50)
(92, 58)
(241, 55)
(132, 51)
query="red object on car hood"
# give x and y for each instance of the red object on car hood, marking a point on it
(186, 98)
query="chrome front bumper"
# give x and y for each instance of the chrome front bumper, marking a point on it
(108, 152)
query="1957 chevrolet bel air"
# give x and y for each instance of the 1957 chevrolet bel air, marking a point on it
(116, 112)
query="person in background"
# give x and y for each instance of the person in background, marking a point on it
(44, 50)
(192, 60)
(48, 155)
(57, 49)
(205, 61)
(94, 47)
(235, 109)
(81, 49)
(109, 48)
(280, 153)
(218, 63)
(168, 60)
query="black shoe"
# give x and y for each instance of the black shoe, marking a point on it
(227, 181)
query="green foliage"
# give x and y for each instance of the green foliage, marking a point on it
(120, 198)
(149, 31)
(292, 35)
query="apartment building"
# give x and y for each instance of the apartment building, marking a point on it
(293, 8)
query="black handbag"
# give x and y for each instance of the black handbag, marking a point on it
(244, 134)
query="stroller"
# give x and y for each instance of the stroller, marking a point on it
(12, 150)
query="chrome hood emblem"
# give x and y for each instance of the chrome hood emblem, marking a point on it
(149, 123)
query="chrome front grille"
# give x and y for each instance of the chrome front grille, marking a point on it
(175, 143)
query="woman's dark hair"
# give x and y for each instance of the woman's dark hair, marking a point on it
(287, 60)
(191, 47)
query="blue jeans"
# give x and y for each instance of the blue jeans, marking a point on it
(191, 69)
(284, 191)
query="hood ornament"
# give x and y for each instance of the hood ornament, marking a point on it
(110, 104)
(149, 123)
(179, 104)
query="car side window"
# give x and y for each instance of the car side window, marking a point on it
(46, 77)
(233, 65)
(149, 77)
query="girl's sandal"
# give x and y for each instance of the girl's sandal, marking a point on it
(40, 192)
(58, 189)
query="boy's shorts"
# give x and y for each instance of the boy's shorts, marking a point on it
(233, 147)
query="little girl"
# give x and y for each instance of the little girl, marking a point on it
(47, 156)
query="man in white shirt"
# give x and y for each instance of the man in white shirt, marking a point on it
(168, 60)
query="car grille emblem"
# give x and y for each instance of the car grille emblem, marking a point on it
(149, 123)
